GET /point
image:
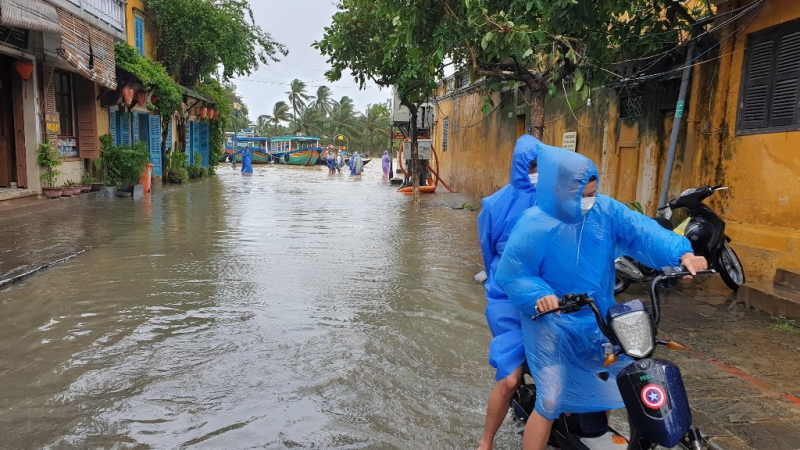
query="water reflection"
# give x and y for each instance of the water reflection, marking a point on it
(284, 309)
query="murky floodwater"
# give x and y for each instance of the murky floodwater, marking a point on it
(288, 309)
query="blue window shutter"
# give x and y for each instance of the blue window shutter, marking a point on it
(135, 126)
(195, 140)
(188, 147)
(169, 136)
(155, 144)
(112, 125)
(139, 34)
(204, 143)
(125, 128)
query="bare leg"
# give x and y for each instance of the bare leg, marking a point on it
(537, 431)
(499, 402)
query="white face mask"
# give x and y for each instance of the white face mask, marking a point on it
(534, 178)
(586, 204)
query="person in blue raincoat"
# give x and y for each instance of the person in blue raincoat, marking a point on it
(499, 213)
(567, 244)
(356, 164)
(247, 160)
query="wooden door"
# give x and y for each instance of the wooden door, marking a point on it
(7, 149)
(627, 171)
(520, 125)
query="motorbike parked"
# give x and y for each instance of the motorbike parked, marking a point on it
(652, 389)
(706, 232)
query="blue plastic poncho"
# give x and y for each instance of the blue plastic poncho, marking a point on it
(499, 213)
(555, 250)
(247, 161)
(356, 164)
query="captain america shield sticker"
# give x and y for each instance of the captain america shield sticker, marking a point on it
(654, 396)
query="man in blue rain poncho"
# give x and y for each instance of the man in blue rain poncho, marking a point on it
(499, 214)
(567, 244)
(247, 160)
(356, 164)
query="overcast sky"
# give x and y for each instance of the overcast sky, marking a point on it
(297, 24)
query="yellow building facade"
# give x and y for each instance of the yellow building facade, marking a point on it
(626, 132)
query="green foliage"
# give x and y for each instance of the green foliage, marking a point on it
(195, 37)
(786, 326)
(387, 41)
(87, 178)
(70, 183)
(636, 206)
(48, 160)
(124, 164)
(152, 75)
(178, 176)
(196, 172)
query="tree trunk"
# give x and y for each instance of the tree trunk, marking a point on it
(538, 97)
(414, 154)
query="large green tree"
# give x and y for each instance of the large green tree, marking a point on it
(196, 38)
(543, 43)
(377, 124)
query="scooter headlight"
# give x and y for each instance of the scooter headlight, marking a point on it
(634, 332)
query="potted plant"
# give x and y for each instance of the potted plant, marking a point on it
(48, 161)
(86, 182)
(69, 189)
(124, 166)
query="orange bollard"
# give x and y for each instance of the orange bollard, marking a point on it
(146, 177)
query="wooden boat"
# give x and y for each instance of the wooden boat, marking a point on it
(257, 145)
(295, 150)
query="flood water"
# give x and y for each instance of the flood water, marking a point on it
(287, 309)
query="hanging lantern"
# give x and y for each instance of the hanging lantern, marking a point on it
(153, 99)
(210, 113)
(141, 96)
(25, 69)
(127, 95)
(203, 112)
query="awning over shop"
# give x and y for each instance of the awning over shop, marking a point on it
(29, 14)
(88, 49)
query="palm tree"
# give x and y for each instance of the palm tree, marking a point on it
(262, 124)
(376, 122)
(310, 121)
(323, 101)
(280, 113)
(344, 118)
(298, 97)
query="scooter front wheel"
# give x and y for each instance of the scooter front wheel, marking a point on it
(620, 284)
(730, 267)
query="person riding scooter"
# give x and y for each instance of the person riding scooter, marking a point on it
(567, 243)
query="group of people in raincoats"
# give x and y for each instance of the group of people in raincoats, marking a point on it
(548, 233)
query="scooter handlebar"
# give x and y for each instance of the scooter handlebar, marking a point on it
(669, 274)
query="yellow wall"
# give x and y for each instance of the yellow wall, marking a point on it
(762, 170)
(130, 8)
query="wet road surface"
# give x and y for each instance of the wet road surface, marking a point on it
(293, 309)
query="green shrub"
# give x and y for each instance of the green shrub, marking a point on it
(179, 175)
(48, 160)
(124, 164)
(196, 172)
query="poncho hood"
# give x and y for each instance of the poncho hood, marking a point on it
(563, 175)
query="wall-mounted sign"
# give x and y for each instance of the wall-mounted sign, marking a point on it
(570, 141)
(53, 121)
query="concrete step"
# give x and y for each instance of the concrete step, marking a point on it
(772, 299)
(788, 278)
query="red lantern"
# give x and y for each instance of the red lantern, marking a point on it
(203, 112)
(127, 95)
(141, 96)
(153, 99)
(212, 113)
(25, 69)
